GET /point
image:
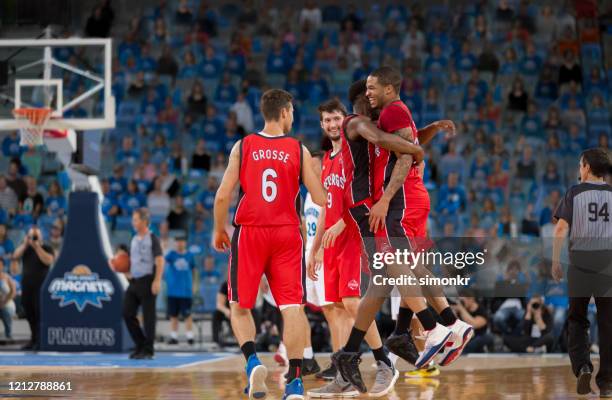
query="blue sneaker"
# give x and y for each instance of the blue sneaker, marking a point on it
(294, 390)
(256, 376)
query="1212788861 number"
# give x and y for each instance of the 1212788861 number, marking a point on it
(40, 385)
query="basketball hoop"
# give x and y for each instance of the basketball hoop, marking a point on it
(32, 135)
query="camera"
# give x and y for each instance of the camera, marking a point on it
(34, 237)
(535, 306)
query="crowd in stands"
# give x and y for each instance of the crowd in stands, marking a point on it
(525, 82)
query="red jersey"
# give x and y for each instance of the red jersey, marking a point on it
(270, 175)
(332, 177)
(356, 159)
(413, 194)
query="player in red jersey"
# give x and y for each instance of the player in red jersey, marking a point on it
(269, 167)
(401, 211)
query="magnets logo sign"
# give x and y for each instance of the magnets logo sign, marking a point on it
(81, 287)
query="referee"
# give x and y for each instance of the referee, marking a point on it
(584, 214)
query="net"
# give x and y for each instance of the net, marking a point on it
(32, 135)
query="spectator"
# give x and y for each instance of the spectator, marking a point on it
(179, 275)
(243, 112)
(8, 292)
(10, 145)
(499, 178)
(570, 69)
(166, 64)
(160, 32)
(169, 183)
(233, 133)
(551, 177)
(183, 15)
(553, 120)
(310, 17)
(127, 154)
(132, 199)
(530, 225)
(158, 201)
(207, 197)
(8, 198)
(97, 25)
(226, 92)
(218, 167)
(146, 271)
(56, 237)
(507, 227)
(469, 310)
(508, 316)
(518, 97)
(526, 165)
(145, 171)
(414, 41)
(546, 87)
(55, 204)
(32, 203)
(6, 245)
(451, 161)
(221, 316)
(169, 114)
(110, 206)
(574, 114)
(166, 241)
(178, 161)
(118, 182)
(547, 212)
(179, 216)
(537, 329)
(488, 60)
(32, 161)
(531, 123)
(451, 199)
(436, 61)
(504, 13)
(547, 24)
(14, 179)
(36, 258)
(159, 151)
(210, 272)
(200, 159)
(138, 85)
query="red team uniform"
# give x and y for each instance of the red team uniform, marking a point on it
(267, 238)
(409, 208)
(341, 262)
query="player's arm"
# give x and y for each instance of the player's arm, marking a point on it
(221, 241)
(310, 179)
(378, 212)
(559, 235)
(365, 128)
(431, 130)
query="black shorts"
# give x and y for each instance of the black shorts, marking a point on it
(179, 306)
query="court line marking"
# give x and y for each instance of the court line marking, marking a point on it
(217, 357)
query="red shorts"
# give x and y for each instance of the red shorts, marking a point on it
(276, 251)
(342, 266)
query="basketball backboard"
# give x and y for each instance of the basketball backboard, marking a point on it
(72, 76)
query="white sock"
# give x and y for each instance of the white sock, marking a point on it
(282, 349)
(308, 353)
(174, 335)
(189, 334)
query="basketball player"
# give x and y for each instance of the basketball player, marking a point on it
(267, 240)
(403, 214)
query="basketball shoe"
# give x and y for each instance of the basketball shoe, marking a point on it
(435, 340)
(256, 376)
(462, 334)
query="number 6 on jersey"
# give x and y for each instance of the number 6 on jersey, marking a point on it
(268, 187)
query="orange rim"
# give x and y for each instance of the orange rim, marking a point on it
(36, 116)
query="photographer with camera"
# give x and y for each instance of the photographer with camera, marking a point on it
(537, 329)
(36, 258)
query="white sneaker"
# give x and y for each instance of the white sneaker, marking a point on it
(462, 334)
(435, 340)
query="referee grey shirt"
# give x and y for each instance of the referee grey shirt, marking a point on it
(143, 251)
(587, 207)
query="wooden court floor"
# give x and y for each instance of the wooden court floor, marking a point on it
(469, 378)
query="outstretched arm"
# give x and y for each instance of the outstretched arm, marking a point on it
(221, 241)
(365, 128)
(431, 130)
